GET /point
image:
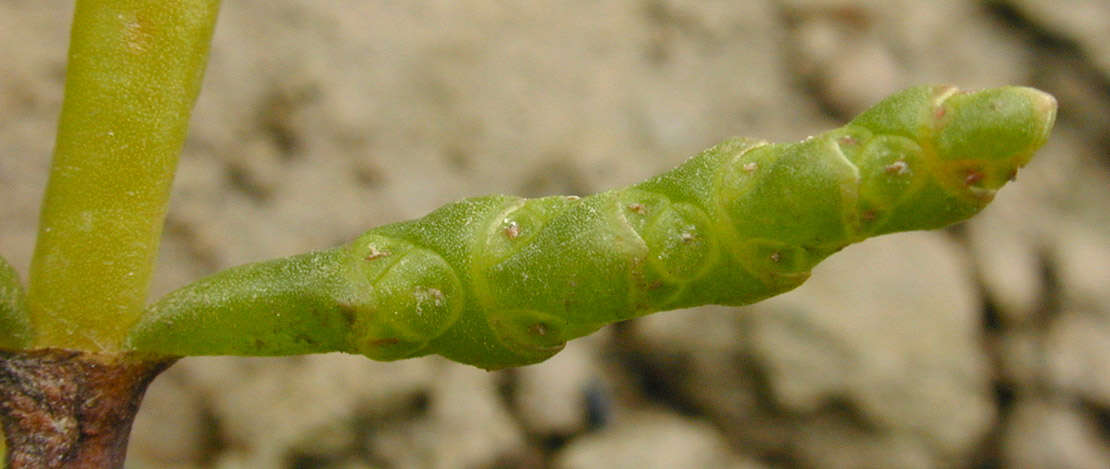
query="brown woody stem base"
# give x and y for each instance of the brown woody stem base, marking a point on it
(71, 409)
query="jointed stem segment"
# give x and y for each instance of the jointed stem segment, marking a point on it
(502, 281)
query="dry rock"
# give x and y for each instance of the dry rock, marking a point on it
(172, 424)
(652, 440)
(1052, 434)
(1008, 251)
(1086, 22)
(466, 425)
(832, 442)
(1078, 352)
(859, 52)
(1083, 256)
(269, 405)
(900, 348)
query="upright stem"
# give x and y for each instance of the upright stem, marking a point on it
(135, 67)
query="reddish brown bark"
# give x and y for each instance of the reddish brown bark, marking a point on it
(71, 409)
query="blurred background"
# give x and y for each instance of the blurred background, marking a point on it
(985, 345)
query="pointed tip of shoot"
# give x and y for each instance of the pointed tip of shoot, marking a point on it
(994, 124)
(970, 142)
(982, 138)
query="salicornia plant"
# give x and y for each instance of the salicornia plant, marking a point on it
(494, 281)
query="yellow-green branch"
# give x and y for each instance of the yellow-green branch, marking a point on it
(501, 281)
(135, 67)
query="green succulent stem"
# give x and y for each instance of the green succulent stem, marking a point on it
(502, 281)
(135, 67)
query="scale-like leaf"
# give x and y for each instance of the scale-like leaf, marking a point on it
(15, 324)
